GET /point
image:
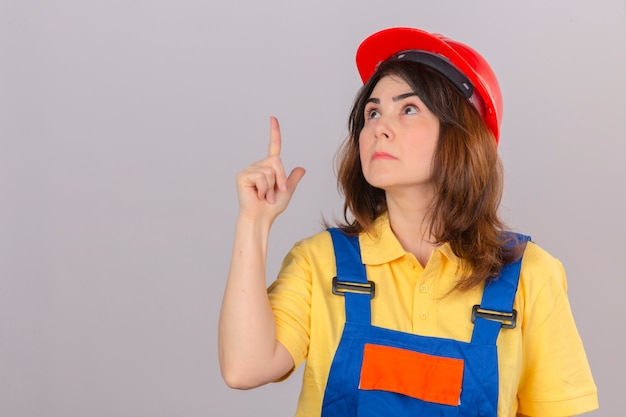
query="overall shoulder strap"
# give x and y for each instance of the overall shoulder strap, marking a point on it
(351, 280)
(496, 308)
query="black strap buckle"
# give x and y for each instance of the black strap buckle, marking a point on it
(508, 320)
(342, 287)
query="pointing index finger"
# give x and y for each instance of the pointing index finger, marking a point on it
(275, 140)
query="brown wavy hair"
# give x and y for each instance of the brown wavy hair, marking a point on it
(467, 176)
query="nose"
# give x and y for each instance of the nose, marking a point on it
(382, 130)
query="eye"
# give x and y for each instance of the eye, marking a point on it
(410, 109)
(371, 114)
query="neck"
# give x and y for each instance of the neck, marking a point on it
(408, 217)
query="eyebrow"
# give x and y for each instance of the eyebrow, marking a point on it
(396, 98)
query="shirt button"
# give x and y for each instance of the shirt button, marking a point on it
(424, 288)
(424, 315)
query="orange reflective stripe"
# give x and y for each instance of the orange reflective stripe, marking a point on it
(426, 377)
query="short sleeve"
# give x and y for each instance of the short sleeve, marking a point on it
(556, 379)
(290, 299)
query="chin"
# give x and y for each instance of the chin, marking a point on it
(376, 181)
(383, 185)
(380, 179)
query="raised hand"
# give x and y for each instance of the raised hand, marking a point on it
(263, 188)
(249, 353)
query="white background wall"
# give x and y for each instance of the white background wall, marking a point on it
(123, 124)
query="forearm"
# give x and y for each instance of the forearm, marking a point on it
(247, 330)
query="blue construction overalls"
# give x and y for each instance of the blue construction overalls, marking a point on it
(383, 372)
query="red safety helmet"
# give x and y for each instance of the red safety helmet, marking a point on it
(456, 61)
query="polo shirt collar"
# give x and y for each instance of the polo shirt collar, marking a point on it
(380, 245)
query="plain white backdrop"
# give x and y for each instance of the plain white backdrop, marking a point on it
(124, 123)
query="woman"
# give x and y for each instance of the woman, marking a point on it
(420, 303)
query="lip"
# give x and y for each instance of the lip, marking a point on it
(378, 155)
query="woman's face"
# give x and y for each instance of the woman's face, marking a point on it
(399, 137)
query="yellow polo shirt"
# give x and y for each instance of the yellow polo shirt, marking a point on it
(542, 363)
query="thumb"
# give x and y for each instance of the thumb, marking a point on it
(294, 178)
